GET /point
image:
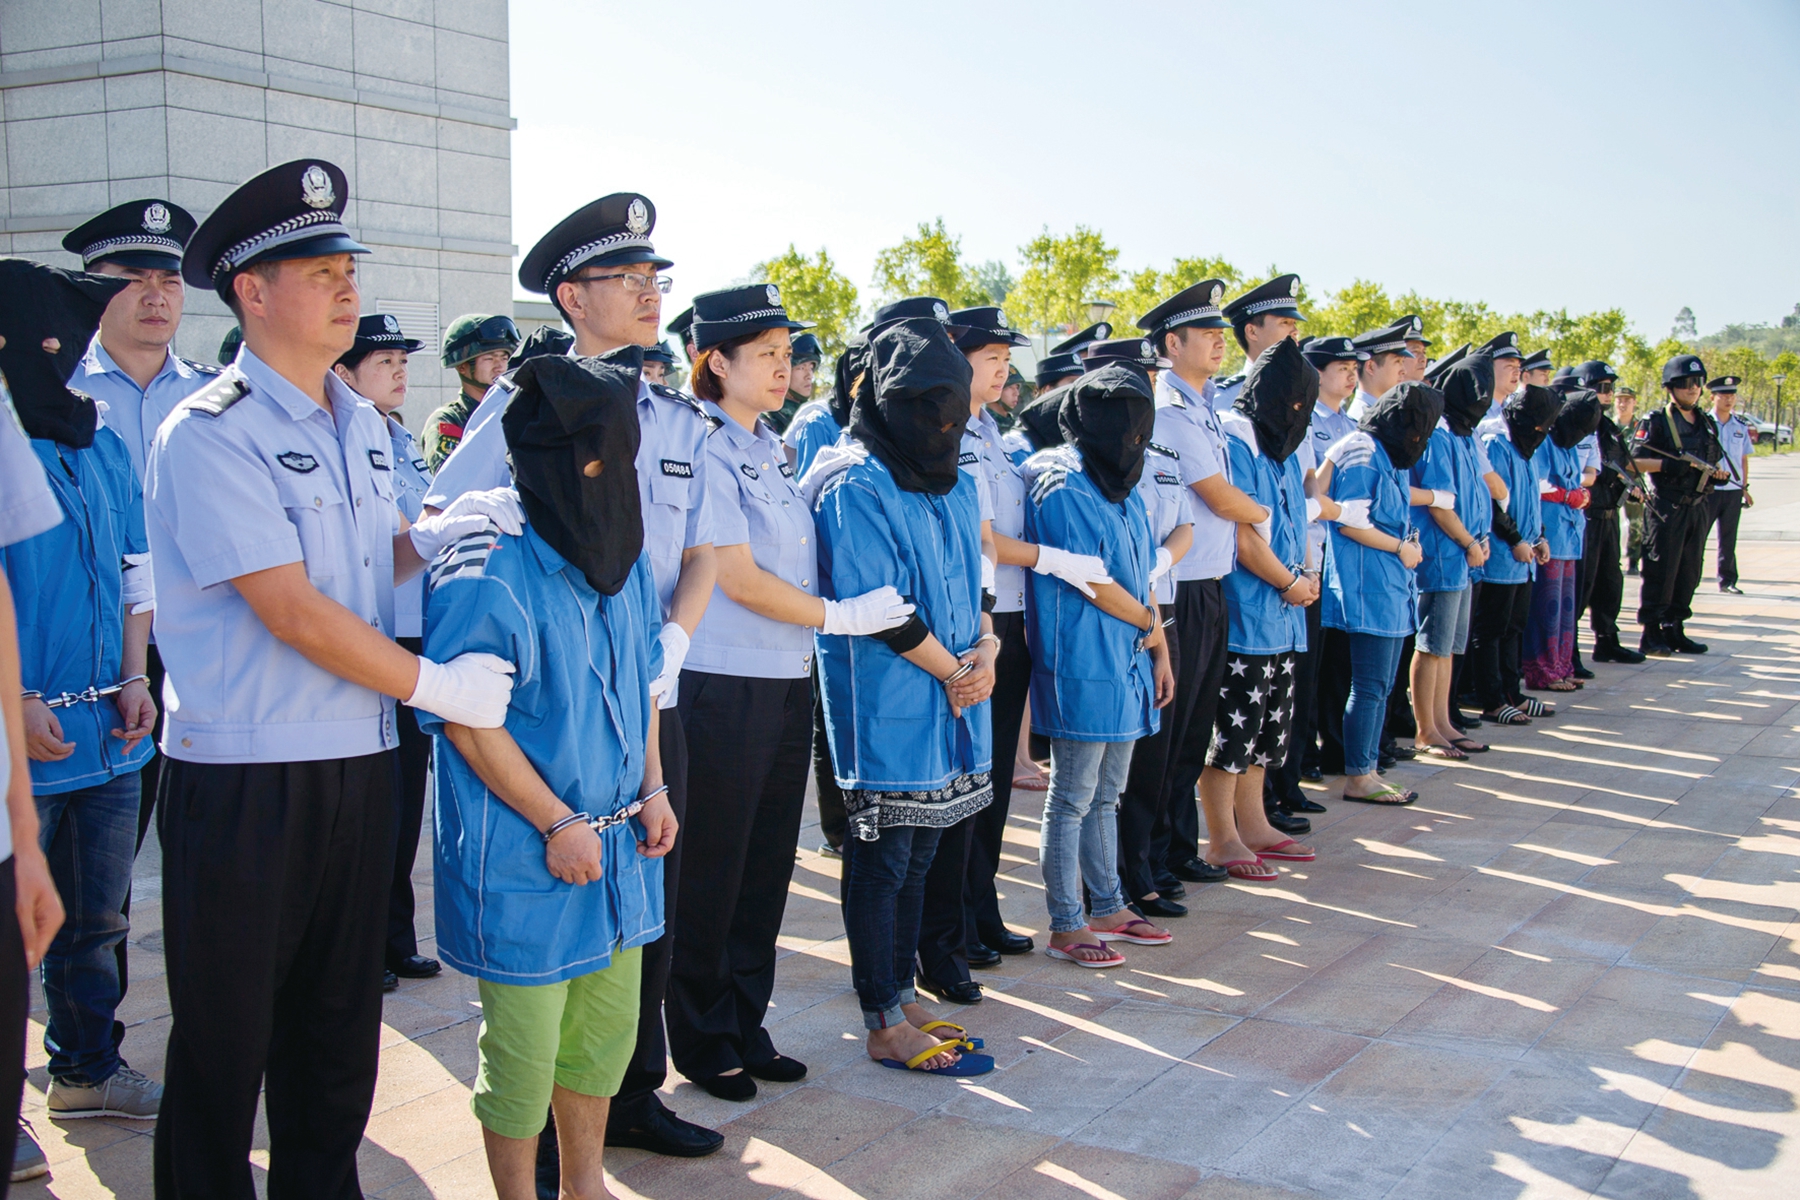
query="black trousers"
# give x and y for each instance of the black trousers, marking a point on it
(1602, 585)
(1143, 803)
(944, 918)
(1012, 688)
(1723, 509)
(1334, 697)
(833, 821)
(1495, 631)
(1399, 704)
(1282, 785)
(1674, 547)
(147, 781)
(414, 765)
(275, 886)
(749, 747)
(15, 983)
(649, 1065)
(1201, 624)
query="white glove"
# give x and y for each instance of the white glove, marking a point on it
(871, 612)
(469, 513)
(1355, 515)
(1164, 560)
(674, 641)
(1079, 571)
(1443, 499)
(135, 587)
(470, 689)
(1313, 509)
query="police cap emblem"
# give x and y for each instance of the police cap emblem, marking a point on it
(1103, 331)
(388, 323)
(156, 218)
(1417, 325)
(637, 217)
(1217, 291)
(315, 187)
(774, 296)
(1146, 349)
(940, 312)
(1000, 318)
(1294, 287)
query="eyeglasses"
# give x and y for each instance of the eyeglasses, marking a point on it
(633, 281)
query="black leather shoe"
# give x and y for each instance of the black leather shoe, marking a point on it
(415, 967)
(1312, 774)
(1651, 645)
(1169, 887)
(780, 1069)
(980, 955)
(1384, 760)
(739, 1087)
(1198, 870)
(1612, 652)
(1159, 907)
(1581, 672)
(660, 1131)
(1302, 805)
(1012, 943)
(390, 982)
(1403, 753)
(1462, 720)
(1290, 824)
(1731, 589)
(965, 992)
(1680, 642)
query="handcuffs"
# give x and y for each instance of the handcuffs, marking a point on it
(598, 824)
(88, 696)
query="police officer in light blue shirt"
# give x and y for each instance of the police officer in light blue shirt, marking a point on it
(376, 367)
(1730, 496)
(278, 544)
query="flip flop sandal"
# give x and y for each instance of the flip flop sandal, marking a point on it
(1391, 796)
(1537, 708)
(1031, 783)
(1506, 714)
(1095, 964)
(1470, 745)
(1280, 851)
(1251, 870)
(963, 1040)
(1448, 753)
(1123, 934)
(1560, 685)
(964, 1067)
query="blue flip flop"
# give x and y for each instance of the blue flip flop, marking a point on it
(962, 1039)
(965, 1067)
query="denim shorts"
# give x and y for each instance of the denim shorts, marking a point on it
(1443, 623)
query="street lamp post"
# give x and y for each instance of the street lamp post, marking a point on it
(1099, 310)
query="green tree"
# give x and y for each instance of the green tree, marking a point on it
(1358, 308)
(993, 278)
(1143, 290)
(813, 289)
(1062, 273)
(930, 263)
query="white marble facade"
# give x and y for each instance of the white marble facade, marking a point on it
(105, 101)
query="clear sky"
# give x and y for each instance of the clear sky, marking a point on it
(1533, 155)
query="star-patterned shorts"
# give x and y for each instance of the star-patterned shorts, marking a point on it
(1255, 711)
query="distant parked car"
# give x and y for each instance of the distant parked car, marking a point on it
(1766, 432)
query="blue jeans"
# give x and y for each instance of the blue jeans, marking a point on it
(1079, 841)
(90, 837)
(884, 896)
(1373, 661)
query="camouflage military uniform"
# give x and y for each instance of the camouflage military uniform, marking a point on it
(444, 429)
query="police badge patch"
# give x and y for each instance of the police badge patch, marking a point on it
(156, 219)
(315, 188)
(637, 217)
(293, 460)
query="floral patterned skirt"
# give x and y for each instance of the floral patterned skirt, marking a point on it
(870, 812)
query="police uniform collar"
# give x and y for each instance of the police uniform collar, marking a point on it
(297, 404)
(612, 231)
(740, 437)
(1181, 392)
(98, 362)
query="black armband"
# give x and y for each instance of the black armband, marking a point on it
(988, 602)
(906, 637)
(1504, 527)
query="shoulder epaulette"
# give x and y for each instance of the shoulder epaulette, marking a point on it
(220, 394)
(1232, 382)
(202, 368)
(1165, 451)
(686, 401)
(466, 557)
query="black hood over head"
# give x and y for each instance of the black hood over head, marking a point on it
(1529, 414)
(1403, 419)
(914, 409)
(849, 365)
(1579, 417)
(1278, 397)
(567, 414)
(1039, 418)
(1468, 389)
(1109, 415)
(545, 339)
(39, 302)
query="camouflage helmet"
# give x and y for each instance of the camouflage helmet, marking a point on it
(477, 333)
(228, 349)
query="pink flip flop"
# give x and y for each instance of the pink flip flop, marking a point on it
(1251, 870)
(1117, 959)
(1123, 934)
(1280, 851)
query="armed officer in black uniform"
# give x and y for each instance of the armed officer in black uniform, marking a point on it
(1602, 583)
(1678, 447)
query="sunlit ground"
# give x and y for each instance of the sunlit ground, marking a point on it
(1572, 969)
